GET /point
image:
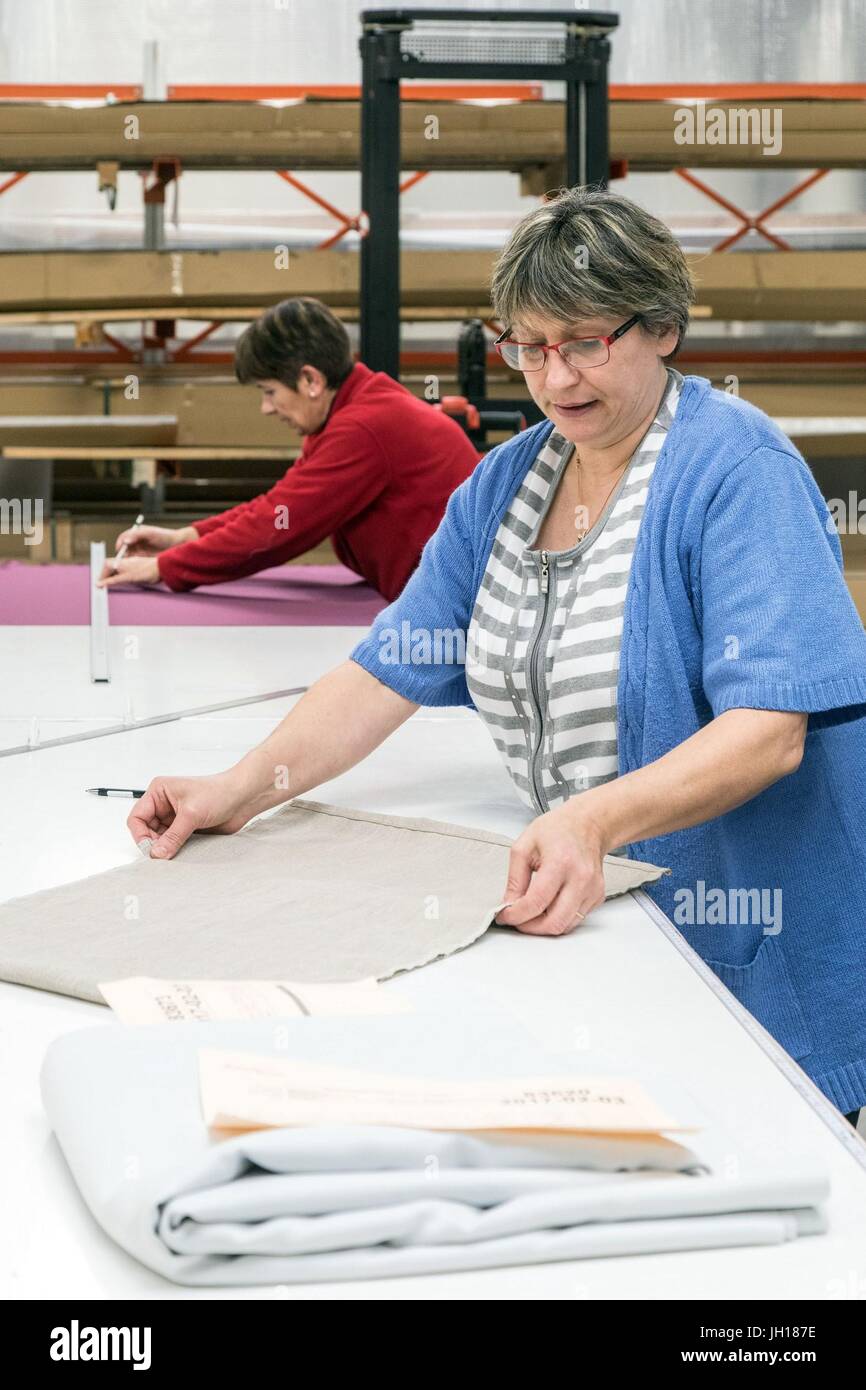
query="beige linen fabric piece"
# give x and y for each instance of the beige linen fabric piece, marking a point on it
(313, 892)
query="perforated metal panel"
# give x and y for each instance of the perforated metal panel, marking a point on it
(471, 44)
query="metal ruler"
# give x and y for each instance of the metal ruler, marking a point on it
(99, 669)
(149, 723)
(803, 1085)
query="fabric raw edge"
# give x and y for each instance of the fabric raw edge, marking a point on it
(621, 876)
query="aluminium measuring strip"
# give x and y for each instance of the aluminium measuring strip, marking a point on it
(99, 668)
(149, 723)
(803, 1084)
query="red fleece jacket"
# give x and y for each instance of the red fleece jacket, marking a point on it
(375, 478)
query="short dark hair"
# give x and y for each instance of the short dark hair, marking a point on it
(292, 334)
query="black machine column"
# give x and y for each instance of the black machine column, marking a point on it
(587, 158)
(380, 199)
(406, 44)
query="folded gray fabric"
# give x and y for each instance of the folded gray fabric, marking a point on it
(334, 1204)
(312, 893)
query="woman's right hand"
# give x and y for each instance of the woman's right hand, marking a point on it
(152, 540)
(173, 808)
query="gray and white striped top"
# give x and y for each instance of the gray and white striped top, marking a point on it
(543, 644)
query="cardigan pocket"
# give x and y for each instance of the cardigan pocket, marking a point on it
(766, 989)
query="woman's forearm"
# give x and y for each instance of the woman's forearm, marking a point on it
(723, 765)
(334, 725)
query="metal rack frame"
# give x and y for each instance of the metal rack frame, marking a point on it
(384, 65)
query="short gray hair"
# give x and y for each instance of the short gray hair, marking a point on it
(586, 253)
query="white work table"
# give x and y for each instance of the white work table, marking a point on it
(618, 990)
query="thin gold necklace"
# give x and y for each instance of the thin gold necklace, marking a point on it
(582, 534)
(587, 529)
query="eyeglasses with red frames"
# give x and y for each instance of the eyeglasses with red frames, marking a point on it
(575, 352)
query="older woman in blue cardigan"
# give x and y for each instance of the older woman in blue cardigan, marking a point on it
(643, 598)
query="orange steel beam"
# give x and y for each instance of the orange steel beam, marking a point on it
(64, 91)
(436, 91)
(739, 91)
(418, 357)
(120, 349)
(347, 224)
(746, 222)
(11, 182)
(187, 348)
(749, 223)
(530, 91)
(352, 224)
(472, 91)
(312, 194)
(753, 357)
(411, 181)
(757, 221)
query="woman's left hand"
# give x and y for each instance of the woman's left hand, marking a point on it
(555, 875)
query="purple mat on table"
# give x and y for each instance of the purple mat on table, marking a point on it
(289, 596)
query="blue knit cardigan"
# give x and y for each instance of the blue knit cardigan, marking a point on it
(736, 599)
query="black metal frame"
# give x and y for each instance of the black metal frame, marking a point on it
(384, 66)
